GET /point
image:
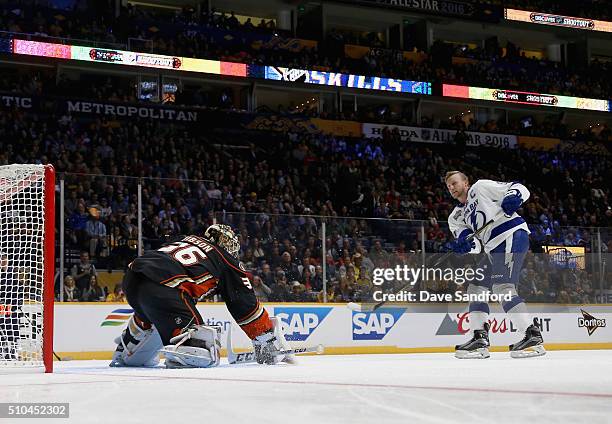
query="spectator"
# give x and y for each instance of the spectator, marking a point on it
(345, 291)
(331, 294)
(93, 293)
(316, 282)
(298, 292)
(289, 268)
(96, 231)
(378, 255)
(78, 223)
(71, 292)
(258, 252)
(306, 278)
(267, 276)
(280, 289)
(117, 295)
(83, 271)
(563, 298)
(261, 290)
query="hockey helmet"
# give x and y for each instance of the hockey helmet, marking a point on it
(223, 236)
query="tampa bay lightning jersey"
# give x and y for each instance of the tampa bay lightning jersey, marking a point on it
(483, 203)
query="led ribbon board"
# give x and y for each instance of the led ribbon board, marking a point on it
(346, 80)
(186, 64)
(557, 20)
(128, 58)
(524, 97)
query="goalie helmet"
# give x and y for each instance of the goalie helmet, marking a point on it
(223, 236)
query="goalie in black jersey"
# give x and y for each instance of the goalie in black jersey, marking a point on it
(163, 286)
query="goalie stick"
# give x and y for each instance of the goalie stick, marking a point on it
(368, 307)
(249, 357)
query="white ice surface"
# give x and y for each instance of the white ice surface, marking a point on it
(563, 386)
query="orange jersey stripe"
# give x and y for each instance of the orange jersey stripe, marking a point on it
(259, 326)
(198, 290)
(172, 278)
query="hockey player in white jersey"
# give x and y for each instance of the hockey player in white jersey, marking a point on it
(505, 243)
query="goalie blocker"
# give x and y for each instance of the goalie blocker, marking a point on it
(163, 286)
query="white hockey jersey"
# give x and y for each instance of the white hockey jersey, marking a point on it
(483, 203)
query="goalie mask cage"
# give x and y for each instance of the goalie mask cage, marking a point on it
(27, 222)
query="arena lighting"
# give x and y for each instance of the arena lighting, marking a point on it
(186, 64)
(524, 97)
(557, 20)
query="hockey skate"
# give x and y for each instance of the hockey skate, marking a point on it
(477, 347)
(532, 344)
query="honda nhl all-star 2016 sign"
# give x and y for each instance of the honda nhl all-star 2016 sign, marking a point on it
(465, 9)
(300, 323)
(375, 325)
(450, 327)
(440, 135)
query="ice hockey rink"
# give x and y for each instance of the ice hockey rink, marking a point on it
(563, 386)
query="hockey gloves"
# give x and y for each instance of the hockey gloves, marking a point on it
(463, 244)
(512, 202)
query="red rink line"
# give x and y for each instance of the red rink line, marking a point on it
(317, 383)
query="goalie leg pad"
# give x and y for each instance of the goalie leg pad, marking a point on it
(197, 347)
(137, 347)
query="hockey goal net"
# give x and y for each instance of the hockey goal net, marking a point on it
(27, 211)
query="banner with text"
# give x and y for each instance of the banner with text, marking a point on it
(216, 67)
(465, 9)
(440, 136)
(525, 97)
(18, 101)
(122, 111)
(571, 22)
(409, 328)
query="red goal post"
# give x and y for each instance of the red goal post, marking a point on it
(27, 267)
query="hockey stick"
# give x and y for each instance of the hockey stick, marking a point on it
(249, 357)
(368, 307)
(470, 237)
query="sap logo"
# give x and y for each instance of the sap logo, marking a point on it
(299, 323)
(375, 325)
